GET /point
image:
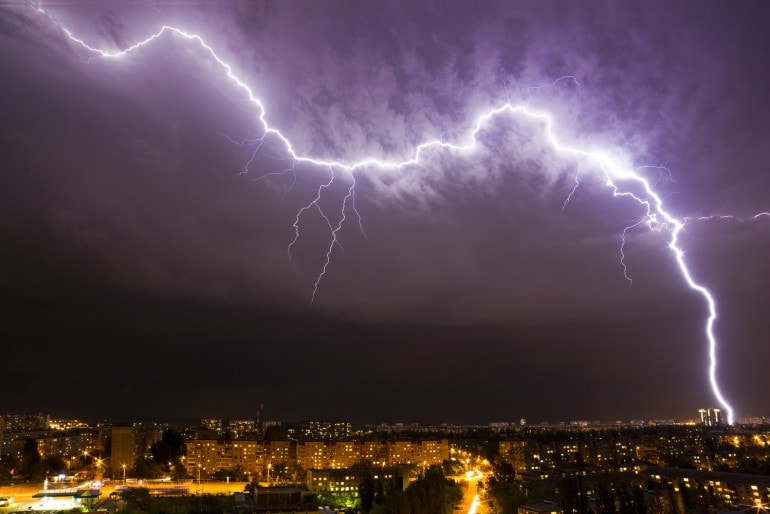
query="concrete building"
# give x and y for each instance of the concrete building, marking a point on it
(212, 424)
(325, 430)
(730, 489)
(256, 457)
(347, 481)
(124, 451)
(241, 427)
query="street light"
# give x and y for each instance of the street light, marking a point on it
(124, 474)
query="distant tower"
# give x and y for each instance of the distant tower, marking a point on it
(710, 417)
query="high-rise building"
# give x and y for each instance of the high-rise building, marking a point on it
(123, 449)
(25, 422)
(240, 427)
(710, 417)
(270, 423)
(326, 430)
(212, 424)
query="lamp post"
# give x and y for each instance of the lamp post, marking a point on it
(124, 474)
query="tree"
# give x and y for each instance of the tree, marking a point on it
(8, 464)
(640, 506)
(503, 472)
(433, 493)
(169, 448)
(30, 456)
(508, 497)
(379, 490)
(366, 491)
(605, 497)
(568, 495)
(235, 474)
(161, 452)
(138, 500)
(146, 468)
(502, 487)
(572, 495)
(631, 502)
(395, 503)
(54, 464)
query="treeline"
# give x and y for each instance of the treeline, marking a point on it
(613, 493)
(166, 458)
(31, 466)
(432, 493)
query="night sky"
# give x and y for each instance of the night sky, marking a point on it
(145, 221)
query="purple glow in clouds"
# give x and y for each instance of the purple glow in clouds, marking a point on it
(620, 178)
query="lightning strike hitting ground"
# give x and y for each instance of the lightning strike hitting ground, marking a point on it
(655, 216)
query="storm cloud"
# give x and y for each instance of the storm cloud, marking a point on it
(140, 190)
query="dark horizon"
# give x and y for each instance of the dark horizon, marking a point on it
(161, 257)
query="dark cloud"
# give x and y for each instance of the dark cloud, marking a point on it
(134, 240)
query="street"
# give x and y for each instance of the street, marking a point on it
(23, 494)
(470, 503)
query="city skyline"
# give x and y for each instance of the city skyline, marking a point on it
(329, 463)
(708, 417)
(162, 250)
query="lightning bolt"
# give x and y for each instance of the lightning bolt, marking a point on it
(726, 217)
(314, 203)
(533, 89)
(623, 248)
(575, 187)
(334, 239)
(655, 215)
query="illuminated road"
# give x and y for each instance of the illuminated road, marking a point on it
(470, 503)
(22, 495)
(24, 501)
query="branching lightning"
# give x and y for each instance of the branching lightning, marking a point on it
(726, 217)
(334, 239)
(654, 214)
(575, 187)
(312, 204)
(623, 248)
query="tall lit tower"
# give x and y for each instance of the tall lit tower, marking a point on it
(710, 417)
